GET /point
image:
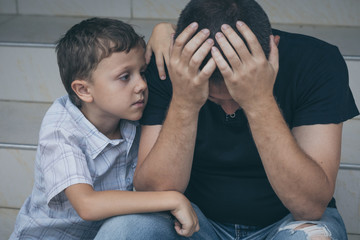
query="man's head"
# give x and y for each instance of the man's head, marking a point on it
(84, 45)
(211, 14)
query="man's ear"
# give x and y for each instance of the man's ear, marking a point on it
(81, 88)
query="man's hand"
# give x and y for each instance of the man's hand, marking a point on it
(250, 77)
(191, 85)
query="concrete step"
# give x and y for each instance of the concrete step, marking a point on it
(30, 82)
(320, 12)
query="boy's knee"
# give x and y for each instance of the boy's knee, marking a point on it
(306, 231)
(132, 225)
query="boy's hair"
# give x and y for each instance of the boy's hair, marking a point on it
(211, 14)
(85, 44)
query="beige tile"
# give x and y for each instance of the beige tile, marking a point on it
(354, 75)
(7, 222)
(17, 176)
(353, 236)
(105, 8)
(347, 195)
(29, 74)
(20, 122)
(145, 27)
(319, 12)
(350, 149)
(36, 29)
(158, 9)
(7, 7)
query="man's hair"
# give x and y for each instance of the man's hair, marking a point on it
(211, 14)
(85, 44)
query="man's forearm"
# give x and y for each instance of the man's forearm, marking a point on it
(300, 183)
(168, 164)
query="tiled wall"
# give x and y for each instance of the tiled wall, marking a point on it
(324, 12)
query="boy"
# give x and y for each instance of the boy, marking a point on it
(88, 141)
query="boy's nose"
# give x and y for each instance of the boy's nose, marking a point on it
(141, 85)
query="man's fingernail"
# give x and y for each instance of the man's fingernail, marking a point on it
(225, 26)
(194, 25)
(219, 35)
(205, 31)
(163, 77)
(239, 23)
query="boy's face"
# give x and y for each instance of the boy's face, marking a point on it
(118, 86)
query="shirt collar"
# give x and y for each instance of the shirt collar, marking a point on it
(95, 141)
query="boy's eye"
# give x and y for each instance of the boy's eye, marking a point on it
(124, 77)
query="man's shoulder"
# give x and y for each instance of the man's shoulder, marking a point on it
(298, 50)
(299, 41)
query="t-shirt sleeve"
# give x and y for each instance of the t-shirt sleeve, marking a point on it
(160, 93)
(323, 92)
(62, 163)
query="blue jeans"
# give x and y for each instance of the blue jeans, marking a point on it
(161, 226)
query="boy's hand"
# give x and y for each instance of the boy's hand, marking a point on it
(187, 222)
(250, 77)
(159, 43)
(190, 85)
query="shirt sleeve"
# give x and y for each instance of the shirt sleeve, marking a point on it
(160, 93)
(323, 92)
(62, 164)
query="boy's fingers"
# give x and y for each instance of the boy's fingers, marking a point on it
(251, 40)
(160, 66)
(183, 38)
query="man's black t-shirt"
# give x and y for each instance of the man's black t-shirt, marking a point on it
(228, 181)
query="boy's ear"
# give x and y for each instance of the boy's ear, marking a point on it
(81, 88)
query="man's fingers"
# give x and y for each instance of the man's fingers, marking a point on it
(183, 38)
(207, 70)
(223, 66)
(236, 41)
(251, 40)
(194, 44)
(200, 55)
(228, 50)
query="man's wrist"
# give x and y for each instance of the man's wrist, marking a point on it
(259, 108)
(184, 107)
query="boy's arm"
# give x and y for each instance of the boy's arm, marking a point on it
(94, 205)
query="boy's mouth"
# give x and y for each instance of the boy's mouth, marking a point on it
(139, 102)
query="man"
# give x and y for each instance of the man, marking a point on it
(254, 144)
